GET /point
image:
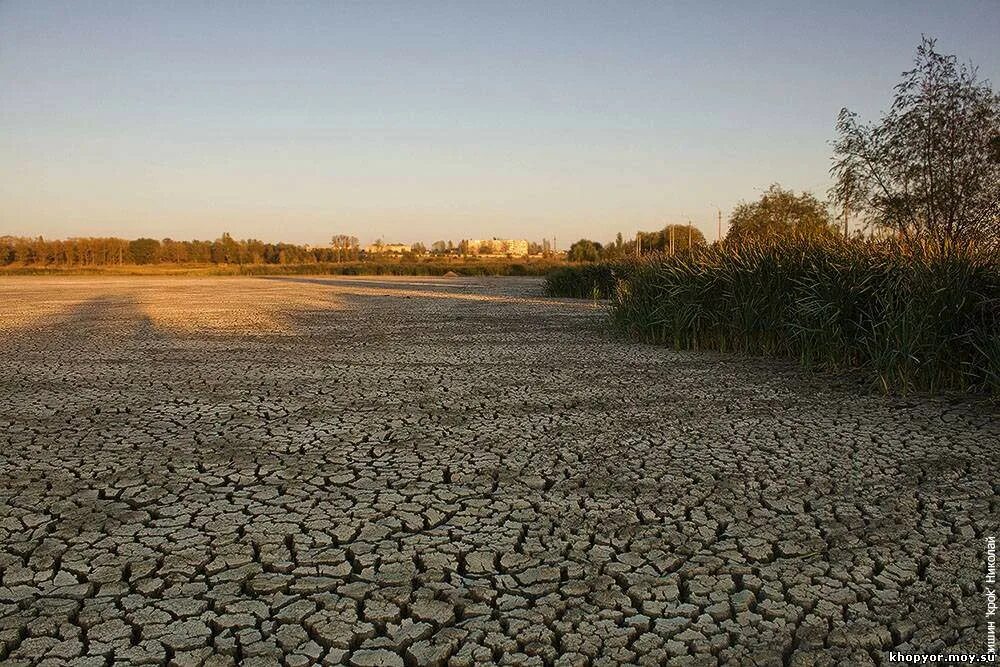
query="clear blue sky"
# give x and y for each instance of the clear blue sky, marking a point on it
(425, 120)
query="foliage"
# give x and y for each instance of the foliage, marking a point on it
(582, 281)
(929, 171)
(672, 238)
(584, 250)
(144, 251)
(912, 320)
(780, 214)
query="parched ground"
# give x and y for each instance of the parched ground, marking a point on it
(432, 471)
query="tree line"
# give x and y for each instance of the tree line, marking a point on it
(111, 251)
(778, 214)
(670, 239)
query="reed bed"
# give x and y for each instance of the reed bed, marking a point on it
(583, 281)
(912, 320)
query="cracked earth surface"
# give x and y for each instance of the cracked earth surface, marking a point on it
(427, 471)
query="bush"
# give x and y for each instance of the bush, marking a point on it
(912, 320)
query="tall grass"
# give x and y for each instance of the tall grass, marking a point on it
(913, 321)
(582, 281)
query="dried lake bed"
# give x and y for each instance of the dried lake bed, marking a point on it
(422, 471)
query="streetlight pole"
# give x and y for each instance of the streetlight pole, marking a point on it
(718, 227)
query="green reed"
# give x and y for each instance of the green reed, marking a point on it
(912, 320)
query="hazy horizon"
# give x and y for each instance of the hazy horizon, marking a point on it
(293, 122)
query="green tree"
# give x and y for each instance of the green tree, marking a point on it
(584, 250)
(225, 250)
(676, 238)
(929, 170)
(144, 251)
(780, 214)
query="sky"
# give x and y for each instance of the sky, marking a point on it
(419, 121)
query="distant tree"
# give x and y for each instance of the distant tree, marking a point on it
(780, 214)
(252, 251)
(584, 250)
(439, 247)
(89, 251)
(143, 251)
(345, 247)
(199, 251)
(615, 249)
(7, 250)
(675, 238)
(534, 248)
(174, 252)
(418, 248)
(929, 170)
(226, 250)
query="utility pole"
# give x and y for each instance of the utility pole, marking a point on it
(638, 244)
(689, 236)
(671, 241)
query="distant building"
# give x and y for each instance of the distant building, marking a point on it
(387, 248)
(498, 247)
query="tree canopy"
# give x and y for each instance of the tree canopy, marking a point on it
(584, 250)
(144, 251)
(929, 169)
(684, 238)
(780, 214)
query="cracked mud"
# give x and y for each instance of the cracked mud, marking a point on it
(425, 472)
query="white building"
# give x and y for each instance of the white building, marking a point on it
(387, 248)
(498, 247)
